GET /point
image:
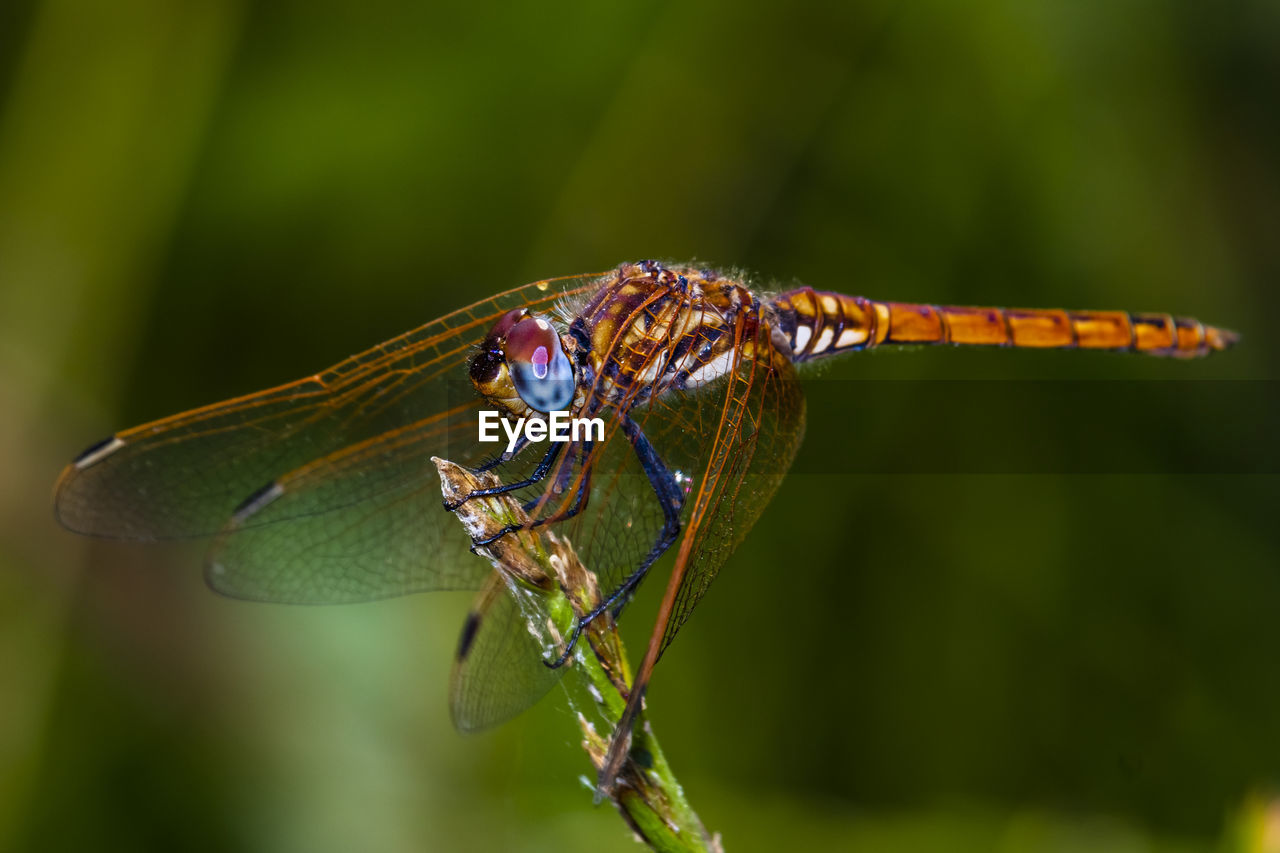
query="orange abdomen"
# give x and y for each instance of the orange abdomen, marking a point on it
(820, 323)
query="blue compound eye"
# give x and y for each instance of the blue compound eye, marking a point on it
(542, 373)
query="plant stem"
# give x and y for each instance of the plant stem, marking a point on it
(547, 570)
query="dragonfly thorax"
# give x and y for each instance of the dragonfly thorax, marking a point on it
(654, 329)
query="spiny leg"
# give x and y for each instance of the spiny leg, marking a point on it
(539, 473)
(505, 456)
(579, 501)
(671, 499)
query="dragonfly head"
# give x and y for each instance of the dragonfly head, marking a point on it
(522, 366)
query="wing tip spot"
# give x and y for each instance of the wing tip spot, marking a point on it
(468, 637)
(256, 501)
(96, 452)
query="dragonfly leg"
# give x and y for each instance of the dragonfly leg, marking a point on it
(562, 480)
(490, 465)
(504, 456)
(579, 501)
(538, 474)
(671, 498)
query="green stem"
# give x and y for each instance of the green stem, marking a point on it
(549, 573)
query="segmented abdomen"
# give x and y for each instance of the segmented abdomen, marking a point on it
(821, 323)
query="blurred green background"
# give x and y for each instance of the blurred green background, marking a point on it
(201, 199)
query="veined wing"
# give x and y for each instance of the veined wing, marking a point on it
(185, 475)
(342, 455)
(745, 452)
(750, 447)
(500, 667)
(362, 523)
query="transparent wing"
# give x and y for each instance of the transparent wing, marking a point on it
(749, 449)
(363, 523)
(342, 457)
(499, 670)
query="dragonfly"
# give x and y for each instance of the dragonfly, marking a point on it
(322, 490)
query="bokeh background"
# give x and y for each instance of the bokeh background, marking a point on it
(201, 199)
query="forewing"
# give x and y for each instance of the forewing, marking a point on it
(749, 449)
(320, 491)
(185, 475)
